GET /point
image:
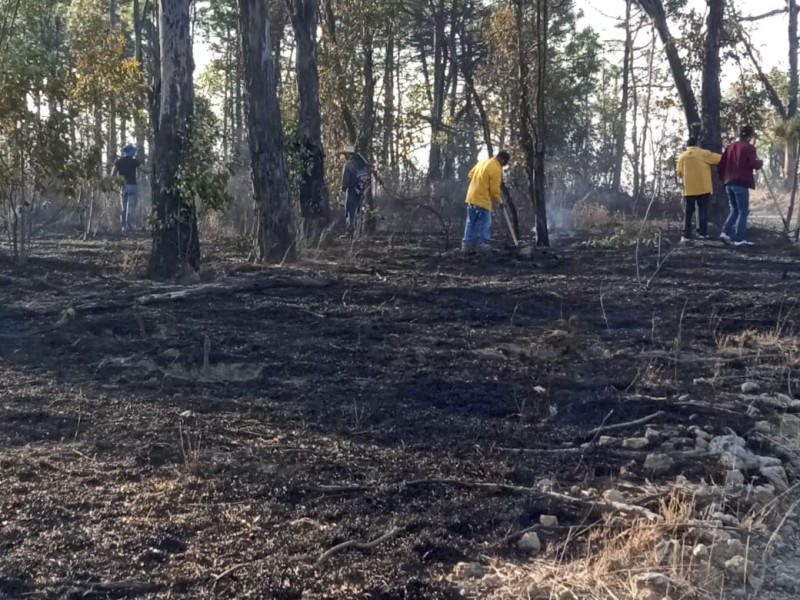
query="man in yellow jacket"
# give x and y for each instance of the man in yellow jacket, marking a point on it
(485, 179)
(694, 168)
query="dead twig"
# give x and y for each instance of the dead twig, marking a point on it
(358, 545)
(227, 572)
(625, 425)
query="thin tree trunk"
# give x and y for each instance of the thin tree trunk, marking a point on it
(388, 104)
(138, 123)
(542, 32)
(790, 154)
(621, 130)
(270, 170)
(314, 204)
(329, 32)
(111, 154)
(525, 119)
(439, 89)
(176, 244)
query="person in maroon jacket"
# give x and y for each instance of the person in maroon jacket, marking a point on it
(736, 171)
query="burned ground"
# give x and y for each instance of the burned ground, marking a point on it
(217, 446)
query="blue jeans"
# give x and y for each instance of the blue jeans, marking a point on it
(479, 222)
(736, 225)
(128, 197)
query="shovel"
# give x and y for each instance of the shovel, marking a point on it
(510, 226)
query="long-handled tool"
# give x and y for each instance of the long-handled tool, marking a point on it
(510, 226)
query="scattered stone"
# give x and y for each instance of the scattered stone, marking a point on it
(734, 479)
(769, 461)
(700, 551)
(635, 443)
(464, 570)
(548, 520)
(658, 463)
(790, 425)
(614, 496)
(701, 444)
(729, 520)
(545, 484)
(750, 387)
(697, 432)
(764, 494)
(606, 440)
(777, 477)
(763, 427)
(492, 581)
(738, 566)
(733, 453)
(186, 414)
(651, 586)
(530, 543)
(653, 435)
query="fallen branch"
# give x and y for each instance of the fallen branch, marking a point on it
(227, 572)
(358, 545)
(637, 422)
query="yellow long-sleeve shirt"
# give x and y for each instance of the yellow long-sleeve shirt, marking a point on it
(484, 184)
(694, 167)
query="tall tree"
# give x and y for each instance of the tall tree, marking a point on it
(176, 242)
(655, 10)
(540, 190)
(622, 130)
(270, 170)
(314, 203)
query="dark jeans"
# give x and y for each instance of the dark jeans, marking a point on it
(739, 199)
(701, 203)
(352, 208)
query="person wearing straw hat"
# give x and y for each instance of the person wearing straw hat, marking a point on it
(356, 181)
(126, 167)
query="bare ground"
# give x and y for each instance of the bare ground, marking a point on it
(218, 446)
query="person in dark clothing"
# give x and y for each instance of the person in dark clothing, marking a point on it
(356, 181)
(126, 167)
(736, 171)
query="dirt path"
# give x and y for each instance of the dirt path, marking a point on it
(217, 447)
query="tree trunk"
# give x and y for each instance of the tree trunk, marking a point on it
(367, 127)
(138, 123)
(711, 131)
(621, 132)
(314, 204)
(655, 10)
(525, 119)
(388, 104)
(329, 32)
(540, 197)
(270, 170)
(175, 236)
(111, 153)
(439, 89)
(790, 154)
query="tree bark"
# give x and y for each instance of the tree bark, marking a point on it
(176, 244)
(621, 132)
(540, 198)
(387, 157)
(525, 119)
(790, 153)
(270, 170)
(314, 203)
(329, 32)
(111, 154)
(439, 90)
(711, 130)
(655, 10)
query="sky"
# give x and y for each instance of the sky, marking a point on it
(769, 36)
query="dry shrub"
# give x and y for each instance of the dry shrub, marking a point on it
(608, 559)
(589, 216)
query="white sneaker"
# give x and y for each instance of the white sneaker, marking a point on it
(725, 238)
(743, 243)
(685, 240)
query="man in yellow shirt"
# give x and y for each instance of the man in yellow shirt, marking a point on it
(485, 179)
(694, 168)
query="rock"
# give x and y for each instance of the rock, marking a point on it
(607, 440)
(769, 461)
(492, 581)
(651, 586)
(787, 582)
(700, 551)
(750, 387)
(464, 570)
(738, 566)
(701, 444)
(530, 543)
(726, 519)
(763, 427)
(777, 477)
(790, 425)
(548, 520)
(697, 432)
(733, 453)
(658, 464)
(545, 485)
(635, 443)
(734, 479)
(614, 496)
(764, 494)
(653, 435)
